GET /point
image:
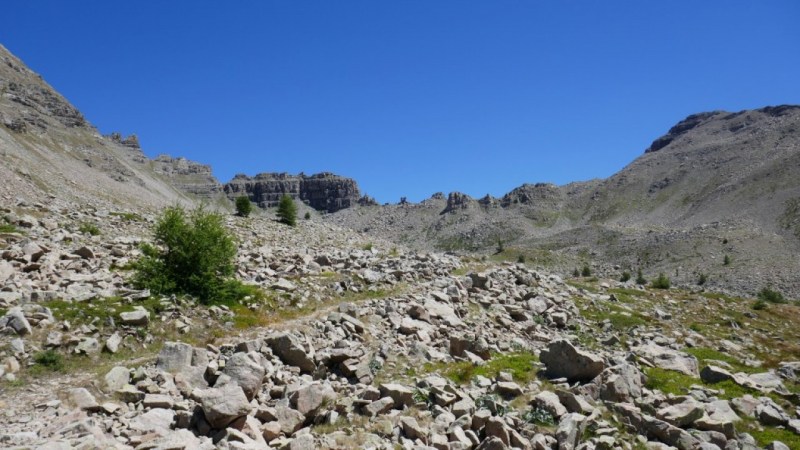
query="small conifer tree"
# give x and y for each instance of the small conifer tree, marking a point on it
(243, 206)
(287, 211)
(640, 278)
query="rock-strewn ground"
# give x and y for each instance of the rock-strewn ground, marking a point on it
(360, 343)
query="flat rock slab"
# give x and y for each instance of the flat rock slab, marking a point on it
(668, 359)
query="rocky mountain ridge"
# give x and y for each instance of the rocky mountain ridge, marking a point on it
(323, 191)
(716, 184)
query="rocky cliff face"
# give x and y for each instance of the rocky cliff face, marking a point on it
(188, 176)
(323, 191)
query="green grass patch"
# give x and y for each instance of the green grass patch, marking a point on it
(718, 296)
(669, 381)
(766, 435)
(704, 354)
(676, 383)
(624, 291)
(89, 228)
(99, 310)
(521, 365)
(128, 216)
(585, 286)
(7, 228)
(620, 318)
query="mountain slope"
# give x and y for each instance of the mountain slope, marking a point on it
(716, 184)
(48, 148)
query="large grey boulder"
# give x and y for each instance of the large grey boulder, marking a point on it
(569, 431)
(243, 370)
(116, 378)
(621, 384)
(83, 399)
(223, 405)
(402, 395)
(719, 417)
(309, 398)
(289, 349)
(682, 414)
(16, 321)
(562, 359)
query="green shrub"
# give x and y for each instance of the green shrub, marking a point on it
(539, 416)
(726, 261)
(307, 216)
(500, 247)
(702, 280)
(576, 273)
(287, 211)
(625, 277)
(759, 305)
(193, 255)
(367, 247)
(49, 360)
(587, 271)
(640, 279)
(662, 282)
(243, 206)
(521, 259)
(89, 228)
(768, 295)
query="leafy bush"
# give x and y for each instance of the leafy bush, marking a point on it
(539, 416)
(287, 211)
(625, 277)
(759, 305)
(662, 282)
(521, 259)
(89, 228)
(587, 271)
(726, 261)
(243, 206)
(307, 216)
(768, 295)
(640, 279)
(193, 255)
(500, 247)
(50, 360)
(576, 273)
(702, 280)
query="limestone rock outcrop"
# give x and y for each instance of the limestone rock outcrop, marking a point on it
(323, 191)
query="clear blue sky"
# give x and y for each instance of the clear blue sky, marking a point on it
(409, 97)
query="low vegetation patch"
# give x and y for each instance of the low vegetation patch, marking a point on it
(768, 295)
(48, 361)
(128, 216)
(7, 228)
(521, 365)
(89, 228)
(662, 282)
